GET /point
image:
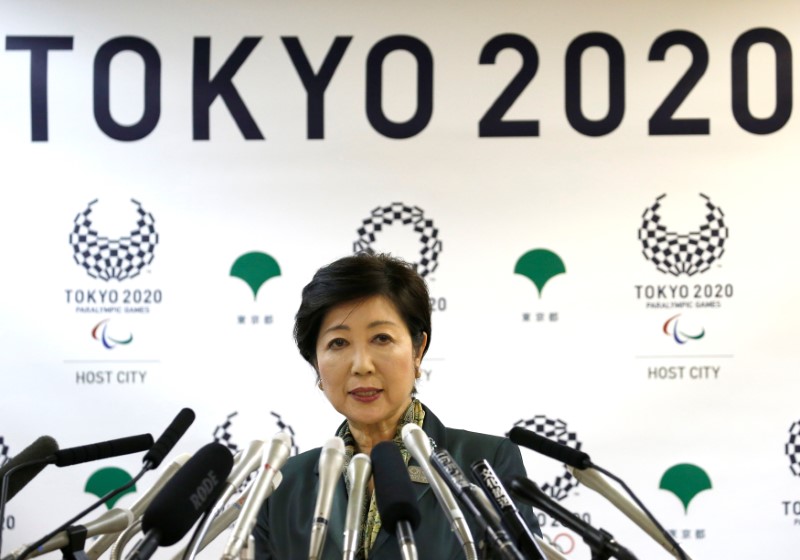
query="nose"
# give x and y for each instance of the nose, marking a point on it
(362, 361)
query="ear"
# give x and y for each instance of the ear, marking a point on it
(421, 350)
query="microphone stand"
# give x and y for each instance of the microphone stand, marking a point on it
(77, 540)
(601, 542)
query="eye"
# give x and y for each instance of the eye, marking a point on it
(382, 338)
(337, 343)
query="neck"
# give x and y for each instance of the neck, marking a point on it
(368, 436)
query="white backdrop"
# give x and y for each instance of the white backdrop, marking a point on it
(595, 354)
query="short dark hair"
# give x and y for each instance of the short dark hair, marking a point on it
(360, 276)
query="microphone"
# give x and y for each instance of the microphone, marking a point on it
(102, 544)
(227, 517)
(397, 504)
(601, 542)
(592, 479)
(273, 459)
(244, 464)
(359, 471)
(168, 439)
(580, 462)
(183, 499)
(102, 450)
(92, 452)
(549, 448)
(112, 521)
(26, 464)
(478, 504)
(509, 514)
(418, 444)
(331, 459)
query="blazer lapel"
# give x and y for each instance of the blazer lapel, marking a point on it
(434, 428)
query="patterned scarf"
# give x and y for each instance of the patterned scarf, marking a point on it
(371, 524)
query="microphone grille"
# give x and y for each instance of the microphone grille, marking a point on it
(394, 492)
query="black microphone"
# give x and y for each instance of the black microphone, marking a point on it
(26, 464)
(549, 448)
(600, 541)
(169, 438)
(186, 497)
(509, 514)
(478, 505)
(583, 469)
(397, 503)
(102, 450)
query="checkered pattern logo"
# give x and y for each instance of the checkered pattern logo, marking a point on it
(224, 435)
(793, 448)
(677, 254)
(4, 449)
(397, 212)
(555, 430)
(106, 258)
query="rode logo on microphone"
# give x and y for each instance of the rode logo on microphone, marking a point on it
(204, 490)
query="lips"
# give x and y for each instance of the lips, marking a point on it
(365, 394)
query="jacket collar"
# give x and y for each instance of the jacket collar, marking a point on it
(434, 428)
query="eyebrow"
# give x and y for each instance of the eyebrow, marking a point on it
(372, 325)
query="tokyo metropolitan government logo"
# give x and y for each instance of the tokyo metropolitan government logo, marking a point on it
(397, 212)
(691, 253)
(118, 259)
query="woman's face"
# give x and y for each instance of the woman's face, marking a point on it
(367, 363)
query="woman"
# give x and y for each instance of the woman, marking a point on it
(364, 324)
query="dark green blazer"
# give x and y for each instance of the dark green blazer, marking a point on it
(284, 522)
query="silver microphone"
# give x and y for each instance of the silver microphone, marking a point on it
(331, 459)
(590, 478)
(112, 521)
(273, 458)
(245, 463)
(418, 444)
(102, 544)
(359, 470)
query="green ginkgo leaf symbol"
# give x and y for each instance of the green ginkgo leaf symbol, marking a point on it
(539, 266)
(105, 480)
(255, 269)
(685, 481)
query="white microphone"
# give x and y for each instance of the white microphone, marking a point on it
(273, 458)
(102, 544)
(418, 444)
(112, 521)
(331, 459)
(245, 463)
(359, 471)
(590, 478)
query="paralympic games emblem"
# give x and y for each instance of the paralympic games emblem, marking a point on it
(672, 329)
(100, 333)
(413, 216)
(105, 258)
(691, 253)
(556, 430)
